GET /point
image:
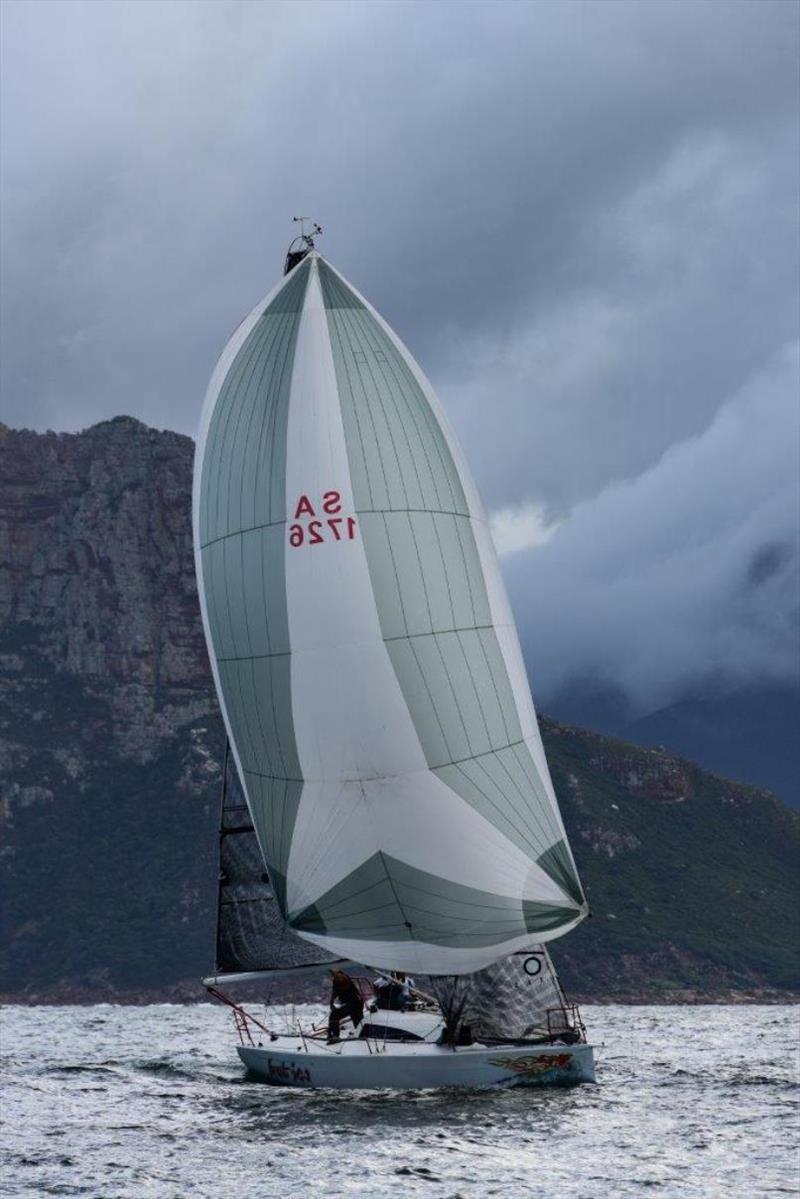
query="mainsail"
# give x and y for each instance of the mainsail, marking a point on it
(252, 936)
(363, 648)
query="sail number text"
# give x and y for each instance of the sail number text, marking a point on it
(323, 522)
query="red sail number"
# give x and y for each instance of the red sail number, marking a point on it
(318, 529)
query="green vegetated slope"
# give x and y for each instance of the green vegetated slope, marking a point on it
(110, 756)
(692, 879)
(108, 864)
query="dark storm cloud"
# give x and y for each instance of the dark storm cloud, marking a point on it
(581, 218)
(687, 572)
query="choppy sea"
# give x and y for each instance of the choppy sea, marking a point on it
(122, 1101)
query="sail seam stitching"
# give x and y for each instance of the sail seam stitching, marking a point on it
(358, 338)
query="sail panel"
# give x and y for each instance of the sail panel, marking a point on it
(430, 587)
(398, 451)
(246, 439)
(240, 522)
(362, 647)
(516, 998)
(386, 899)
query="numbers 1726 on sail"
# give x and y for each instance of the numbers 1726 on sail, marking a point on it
(315, 524)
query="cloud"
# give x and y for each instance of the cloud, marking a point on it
(690, 570)
(515, 529)
(580, 217)
(689, 286)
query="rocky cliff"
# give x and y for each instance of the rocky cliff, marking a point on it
(110, 748)
(109, 733)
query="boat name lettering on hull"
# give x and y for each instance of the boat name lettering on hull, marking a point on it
(317, 521)
(288, 1072)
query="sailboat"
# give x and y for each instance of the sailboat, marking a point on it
(387, 804)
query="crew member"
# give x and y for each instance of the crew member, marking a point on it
(393, 994)
(345, 1001)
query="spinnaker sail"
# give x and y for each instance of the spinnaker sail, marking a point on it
(364, 651)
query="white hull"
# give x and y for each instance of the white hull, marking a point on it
(359, 1064)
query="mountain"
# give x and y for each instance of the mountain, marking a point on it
(111, 746)
(109, 733)
(750, 733)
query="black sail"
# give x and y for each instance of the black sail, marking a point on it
(251, 934)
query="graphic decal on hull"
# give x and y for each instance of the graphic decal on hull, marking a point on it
(534, 1064)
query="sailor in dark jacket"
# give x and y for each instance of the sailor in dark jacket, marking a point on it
(345, 1001)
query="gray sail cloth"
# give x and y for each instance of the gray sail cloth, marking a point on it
(251, 933)
(364, 652)
(515, 999)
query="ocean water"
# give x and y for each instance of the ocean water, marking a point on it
(121, 1101)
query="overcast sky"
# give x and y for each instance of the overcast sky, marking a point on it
(581, 218)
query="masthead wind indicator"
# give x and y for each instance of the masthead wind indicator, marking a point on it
(301, 245)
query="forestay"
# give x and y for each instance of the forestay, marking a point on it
(363, 648)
